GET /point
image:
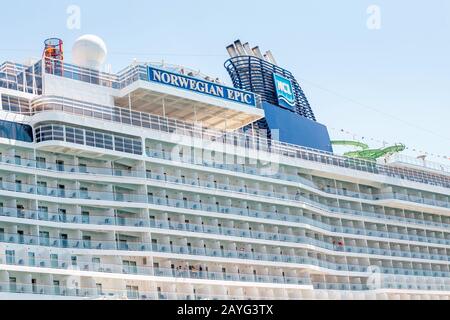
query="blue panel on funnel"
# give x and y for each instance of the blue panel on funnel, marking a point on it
(296, 129)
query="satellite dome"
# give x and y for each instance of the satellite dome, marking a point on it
(89, 51)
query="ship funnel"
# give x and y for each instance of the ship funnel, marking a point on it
(247, 49)
(257, 52)
(232, 51)
(237, 49)
(270, 58)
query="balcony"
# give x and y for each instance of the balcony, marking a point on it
(86, 266)
(211, 252)
(239, 190)
(137, 198)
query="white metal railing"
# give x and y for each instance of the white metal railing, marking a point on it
(421, 221)
(299, 257)
(170, 202)
(117, 294)
(281, 236)
(232, 188)
(401, 158)
(92, 138)
(22, 78)
(122, 116)
(86, 265)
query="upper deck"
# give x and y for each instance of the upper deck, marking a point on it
(163, 90)
(134, 95)
(159, 89)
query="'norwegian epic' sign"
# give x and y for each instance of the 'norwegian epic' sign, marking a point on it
(201, 86)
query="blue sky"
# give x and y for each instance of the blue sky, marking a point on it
(391, 84)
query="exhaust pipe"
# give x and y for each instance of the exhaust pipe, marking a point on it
(239, 47)
(269, 56)
(257, 52)
(240, 50)
(232, 51)
(247, 49)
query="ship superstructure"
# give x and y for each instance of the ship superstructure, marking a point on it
(156, 183)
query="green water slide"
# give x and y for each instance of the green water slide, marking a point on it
(368, 154)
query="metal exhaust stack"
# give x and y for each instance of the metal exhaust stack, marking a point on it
(247, 49)
(241, 50)
(239, 47)
(271, 58)
(257, 52)
(232, 51)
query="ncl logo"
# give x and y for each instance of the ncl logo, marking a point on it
(285, 87)
(285, 92)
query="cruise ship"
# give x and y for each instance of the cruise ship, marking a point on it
(162, 183)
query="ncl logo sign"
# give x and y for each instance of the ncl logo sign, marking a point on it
(285, 92)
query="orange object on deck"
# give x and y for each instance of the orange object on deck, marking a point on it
(54, 56)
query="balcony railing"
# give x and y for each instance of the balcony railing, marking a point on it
(229, 188)
(168, 202)
(91, 138)
(87, 266)
(385, 284)
(116, 294)
(411, 279)
(22, 78)
(233, 232)
(233, 254)
(435, 166)
(171, 202)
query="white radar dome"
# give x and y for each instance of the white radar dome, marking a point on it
(89, 51)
